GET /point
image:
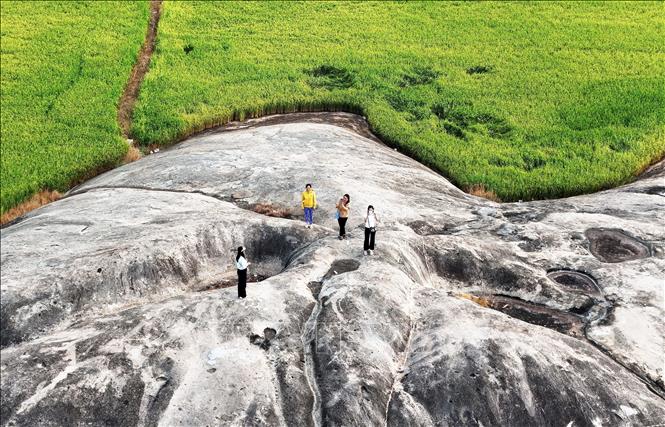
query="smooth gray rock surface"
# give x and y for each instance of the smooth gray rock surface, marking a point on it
(116, 306)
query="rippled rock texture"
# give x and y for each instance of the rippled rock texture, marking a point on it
(118, 309)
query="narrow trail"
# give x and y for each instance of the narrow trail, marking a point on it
(124, 117)
(131, 92)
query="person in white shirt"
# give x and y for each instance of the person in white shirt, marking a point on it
(371, 221)
(241, 265)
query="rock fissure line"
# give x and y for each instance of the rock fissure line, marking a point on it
(75, 192)
(650, 384)
(227, 199)
(309, 347)
(397, 378)
(308, 338)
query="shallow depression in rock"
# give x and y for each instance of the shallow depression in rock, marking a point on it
(575, 281)
(613, 245)
(536, 314)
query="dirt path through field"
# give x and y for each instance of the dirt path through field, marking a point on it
(128, 98)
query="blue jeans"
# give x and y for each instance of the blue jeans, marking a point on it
(309, 215)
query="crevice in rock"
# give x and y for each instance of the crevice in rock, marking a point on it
(167, 384)
(561, 321)
(656, 190)
(568, 323)
(425, 229)
(75, 191)
(397, 379)
(309, 352)
(309, 335)
(404, 357)
(653, 386)
(266, 209)
(315, 288)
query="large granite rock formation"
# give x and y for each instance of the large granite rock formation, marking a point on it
(117, 307)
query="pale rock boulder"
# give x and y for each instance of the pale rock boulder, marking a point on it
(117, 305)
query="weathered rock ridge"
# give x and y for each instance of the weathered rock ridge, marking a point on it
(115, 309)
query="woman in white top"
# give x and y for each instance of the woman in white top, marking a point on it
(370, 230)
(241, 265)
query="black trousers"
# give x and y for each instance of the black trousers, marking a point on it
(242, 283)
(369, 239)
(342, 226)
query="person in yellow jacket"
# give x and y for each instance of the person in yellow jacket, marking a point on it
(309, 204)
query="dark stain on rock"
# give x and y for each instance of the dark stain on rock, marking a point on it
(341, 266)
(42, 367)
(614, 245)
(656, 190)
(269, 334)
(119, 361)
(460, 265)
(503, 277)
(522, 217)
(464, 266)
(548, 396)
(459, 399)
(296, 398)
(163, 372)
(13, 332)
(72, 403)
(423, 228)
(315, 288)
(531, 245)
(264, 342)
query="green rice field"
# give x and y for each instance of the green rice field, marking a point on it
(530, 100)
(64, 66)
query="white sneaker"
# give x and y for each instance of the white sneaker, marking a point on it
(371, 252)
(365, 252)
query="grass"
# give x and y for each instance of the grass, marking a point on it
(64, 66)
(509, 100)
(37, 200)
(522, 100)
